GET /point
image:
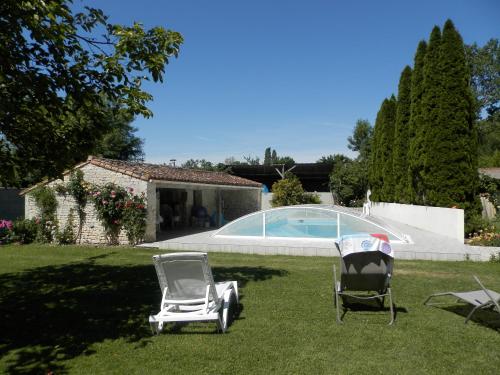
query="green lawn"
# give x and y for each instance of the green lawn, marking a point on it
(85, 310)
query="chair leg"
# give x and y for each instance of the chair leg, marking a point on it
(337, 305)
(471, 313)
(391, 306)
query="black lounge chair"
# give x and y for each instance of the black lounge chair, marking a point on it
(368, 269)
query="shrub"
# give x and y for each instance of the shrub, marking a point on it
(311, 198)
(46, 201)
(109, 201)
(495, 258)
(23, 231)
(134, 217)
(5, 228)
(289, 191)
(46, 230)
(67, 235)
(473, 224)
(485, 237)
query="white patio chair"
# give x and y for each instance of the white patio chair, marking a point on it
(189, 292)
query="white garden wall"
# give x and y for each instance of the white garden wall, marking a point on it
(448, 222)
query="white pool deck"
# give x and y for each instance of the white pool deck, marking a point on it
(426, 246)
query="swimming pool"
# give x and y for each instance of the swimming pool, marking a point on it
(306, 222)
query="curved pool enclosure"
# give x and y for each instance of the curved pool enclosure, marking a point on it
(307, 222)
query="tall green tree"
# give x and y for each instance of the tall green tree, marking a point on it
(387, 150)
(431, 97)
(451, 176)
(380, 166)
(57, 70)
(274, 157)
(267, 156)
(348, 180)
(414, 184)
(120, 142)
(400, 151)
(361, 138)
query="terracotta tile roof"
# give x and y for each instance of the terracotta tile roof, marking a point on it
(145, 171)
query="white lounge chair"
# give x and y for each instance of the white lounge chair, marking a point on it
(189, 292)
(481, 299)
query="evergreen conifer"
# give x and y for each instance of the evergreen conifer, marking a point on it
(387, 147)
(451, 175)
(400, 151)
(414, 188)
(429, 128)
(380, 171)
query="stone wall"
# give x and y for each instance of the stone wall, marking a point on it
(92, 231)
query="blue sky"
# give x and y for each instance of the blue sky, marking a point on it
(292, 75)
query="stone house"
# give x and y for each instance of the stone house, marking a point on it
(177, 198)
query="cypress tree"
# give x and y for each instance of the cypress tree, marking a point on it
(414, 189)
(429, 129)
(375, 168)
(380, 175)
(400, 151)
(267, 156)
(451, 175)
(386, 147)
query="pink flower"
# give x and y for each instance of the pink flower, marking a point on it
(131, 190)
(116, 221)
(6, 224)
(113, 194)
(104, 202)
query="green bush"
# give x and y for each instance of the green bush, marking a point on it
(67, 235)
(46, 201)
(474, 224)
(23, 231)
(116, 209)
(289, 192)
(134, 217)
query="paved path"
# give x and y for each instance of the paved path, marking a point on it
(426, 245)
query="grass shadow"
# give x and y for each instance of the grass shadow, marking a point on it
(54, 313)
(486, 318)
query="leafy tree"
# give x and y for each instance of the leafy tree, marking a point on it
(349, 181)
(400, 151)
(329, 159)
(205, 165)
(360, 140)
(451, 176)
(251, 160)
(287, 160)
(484, 65)
(414, 190)
(55, 77)
(120, 142)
